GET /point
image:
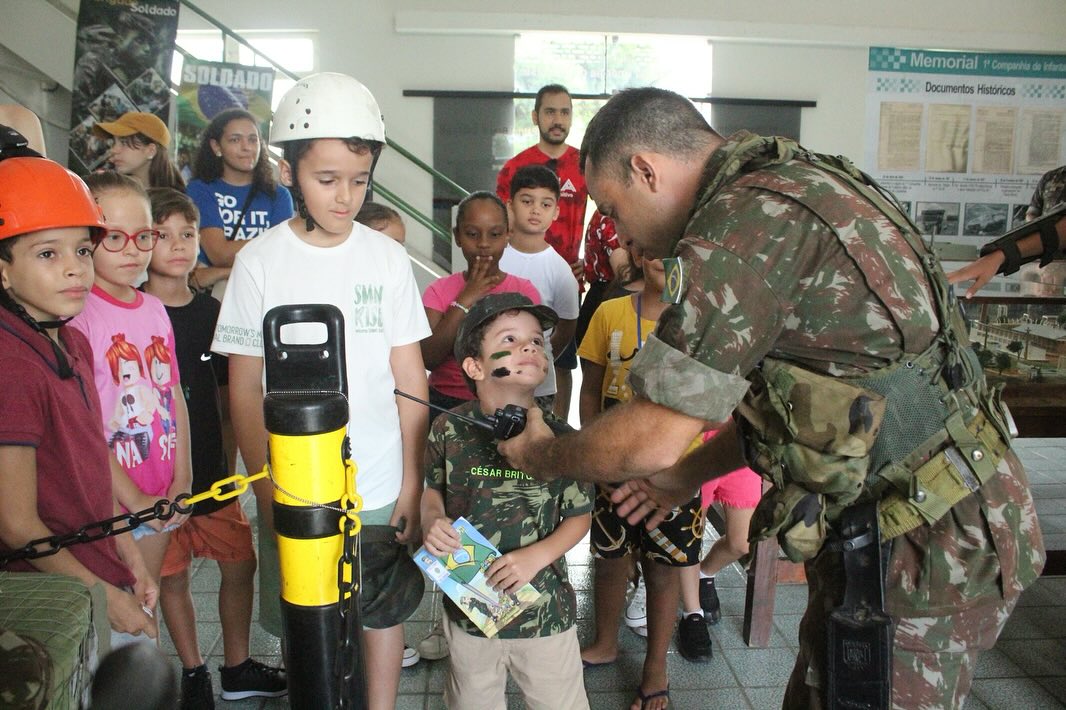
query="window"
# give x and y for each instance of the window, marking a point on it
(293, 50)
(601, 64)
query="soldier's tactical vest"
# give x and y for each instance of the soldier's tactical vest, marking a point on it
(917, 436)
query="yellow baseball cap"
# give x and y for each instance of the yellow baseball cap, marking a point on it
(135, 122)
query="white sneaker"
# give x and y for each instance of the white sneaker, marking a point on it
(410, 657)
(636, 616)
(434, 647)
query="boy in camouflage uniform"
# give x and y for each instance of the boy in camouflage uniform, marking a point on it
(804, 295)
(500, 348)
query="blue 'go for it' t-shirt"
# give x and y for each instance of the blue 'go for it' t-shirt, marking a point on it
(220, 206)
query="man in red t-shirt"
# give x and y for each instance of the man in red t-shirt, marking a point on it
(553, 113)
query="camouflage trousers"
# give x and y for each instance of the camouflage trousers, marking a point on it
(933, 657)
(949, 587)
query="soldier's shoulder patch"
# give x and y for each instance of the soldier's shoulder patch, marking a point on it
(674, 289)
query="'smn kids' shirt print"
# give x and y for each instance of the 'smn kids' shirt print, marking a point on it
(368, 316)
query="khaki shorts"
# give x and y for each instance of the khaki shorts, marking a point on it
(547, 669)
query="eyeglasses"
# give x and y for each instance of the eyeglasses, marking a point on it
(116, 240)
(553, 165)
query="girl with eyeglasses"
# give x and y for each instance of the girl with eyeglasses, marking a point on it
(146, 427)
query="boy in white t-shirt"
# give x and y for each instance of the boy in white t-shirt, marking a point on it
(534, 206)
(331, 131)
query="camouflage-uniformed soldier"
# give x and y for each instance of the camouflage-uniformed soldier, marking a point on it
(1049, 193)
(805, 298)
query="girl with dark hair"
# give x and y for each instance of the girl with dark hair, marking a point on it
(139, 144)
(233, 186)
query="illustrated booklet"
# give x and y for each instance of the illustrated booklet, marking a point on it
(461, 575)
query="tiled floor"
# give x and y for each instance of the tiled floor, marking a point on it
(1026, 669)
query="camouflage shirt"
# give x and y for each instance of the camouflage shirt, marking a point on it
(511, 509)
(764, 273)
(1050, 191)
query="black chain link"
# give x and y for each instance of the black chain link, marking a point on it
(349, 596)
(162, 510)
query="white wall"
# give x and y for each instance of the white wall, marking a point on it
(834, 77)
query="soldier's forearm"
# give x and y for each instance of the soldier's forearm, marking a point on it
(632, 440)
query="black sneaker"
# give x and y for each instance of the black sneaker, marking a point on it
(693, 639)
(253, 679)
(196, 690)
(712, 608)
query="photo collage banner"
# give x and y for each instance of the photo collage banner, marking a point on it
(122, 63)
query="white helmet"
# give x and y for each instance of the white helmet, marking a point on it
(327, 105)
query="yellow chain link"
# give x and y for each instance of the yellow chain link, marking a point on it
(350, 496)
(218, 492)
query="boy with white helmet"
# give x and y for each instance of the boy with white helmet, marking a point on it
(330, 129)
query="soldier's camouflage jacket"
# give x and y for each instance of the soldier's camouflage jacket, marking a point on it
(511, 509)
(784, 261)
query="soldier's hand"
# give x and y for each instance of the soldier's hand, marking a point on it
(648, 499)
(980, 271)
(509, 572)
(441, 539)
(521, 451)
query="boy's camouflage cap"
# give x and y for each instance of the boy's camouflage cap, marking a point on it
(491, 306)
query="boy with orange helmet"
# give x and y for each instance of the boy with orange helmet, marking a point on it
(57, 469)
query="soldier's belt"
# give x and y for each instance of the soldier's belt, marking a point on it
(927, 494)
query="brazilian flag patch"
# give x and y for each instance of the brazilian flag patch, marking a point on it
(674, 289)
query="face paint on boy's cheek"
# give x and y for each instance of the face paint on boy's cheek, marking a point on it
(501, 372)
(500, 355)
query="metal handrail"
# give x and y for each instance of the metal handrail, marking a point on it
(408, 209)
(240, 40)
(391, 143)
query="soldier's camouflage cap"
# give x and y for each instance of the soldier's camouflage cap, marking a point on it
(491, 306)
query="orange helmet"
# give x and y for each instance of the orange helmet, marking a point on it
(37, 193)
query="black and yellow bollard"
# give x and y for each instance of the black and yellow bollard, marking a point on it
(306, 413)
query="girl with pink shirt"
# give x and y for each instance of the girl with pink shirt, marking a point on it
(481, 231)
(135, 365)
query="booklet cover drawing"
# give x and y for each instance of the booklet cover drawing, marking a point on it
(461, 575)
